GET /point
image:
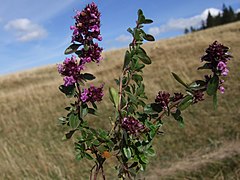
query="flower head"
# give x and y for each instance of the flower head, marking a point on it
(198, 96)
(69, 80)
(71, 70)
(177, 96)
(92, 94)
(87, 25)
(163, 99)
(217, 56)
(132, 125)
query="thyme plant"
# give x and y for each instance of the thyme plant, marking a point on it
(135, 122)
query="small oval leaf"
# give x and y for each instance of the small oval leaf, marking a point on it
(127, 152)
(114, 96)
(213, 85)
(72, 48)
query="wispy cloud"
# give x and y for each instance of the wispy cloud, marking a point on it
(25, 30)
(182, 23)
(123, 38)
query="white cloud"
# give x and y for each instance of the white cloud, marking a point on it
(25, 30)
(123, 38)
(182, 23)
(238, 10)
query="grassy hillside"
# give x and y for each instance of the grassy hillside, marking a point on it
(207, 148)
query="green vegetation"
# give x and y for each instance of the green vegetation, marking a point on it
(207, 147)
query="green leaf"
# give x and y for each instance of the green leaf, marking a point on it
(213, 85)
(69, 91)
(215, 101)
(133, 165)
(94, 105)
(86, 47)
(62, 120)
(68, 135)
(72, 48)
(83, 110)
(140, 12)
(143, 56)
(127, 59)
(181, 122)
(88, 76)
(150, 152)
(132, 97)
(130, 31)
(148, 37)
(152, 133)
(114, 97)
(152, 108)
(140, 89)
(92, 111)
(176, 114)
(103, 134)
(137, 77)
(179, 80)
(96, 142)
(197, 85)
(73, 121)
(143, 158)
(187, 101)
(88, 156)
(148, 21)
(79, 157)
(127, 152)
(206, 66)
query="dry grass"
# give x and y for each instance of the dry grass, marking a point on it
(30, 103)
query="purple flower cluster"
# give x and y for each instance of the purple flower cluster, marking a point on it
(177, 96)
(218, 56)
(71, 70)
(87, 28)
(92, 94)
(198, 96)
(132, 125)
(163, 99)
(92, 54)
(87, 25)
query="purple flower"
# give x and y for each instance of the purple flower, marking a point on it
(87, 28)
(60, 68)
(163, 99)
(198, 96)
(93, 54)
(87, 25)
(177, 96)
(84, 95)
(69, 80)
(221, 66)
(225, 72)
(132, 125)
(99, 37)
(217, 56)
(92, 94)
(70, 68)
(222, 89)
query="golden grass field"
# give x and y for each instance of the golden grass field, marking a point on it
(208, 147)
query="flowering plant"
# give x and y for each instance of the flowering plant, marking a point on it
(135, 122)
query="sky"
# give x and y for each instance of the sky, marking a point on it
(36, 33)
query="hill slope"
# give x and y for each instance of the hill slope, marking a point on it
(30, 103)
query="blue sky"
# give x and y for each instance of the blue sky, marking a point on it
(35, 33)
